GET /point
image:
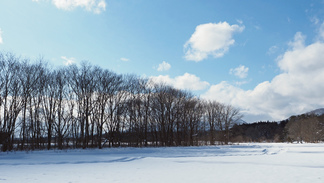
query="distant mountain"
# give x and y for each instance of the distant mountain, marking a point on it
(241, 121)
(317, 112)
(238, 122)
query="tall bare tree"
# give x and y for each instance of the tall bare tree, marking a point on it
(230, 116)
(11, 100)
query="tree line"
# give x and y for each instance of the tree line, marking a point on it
(305, 128)
(85, 106)
(301, 128)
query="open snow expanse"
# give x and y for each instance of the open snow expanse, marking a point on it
(235, 163)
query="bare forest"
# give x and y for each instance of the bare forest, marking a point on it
(85, 106)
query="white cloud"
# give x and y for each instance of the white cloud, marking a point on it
(96, 6)
(68, 61)
(1, 40)
(164, 66)
(124, 59)
(210, 39)
(241, 71)
(297, 89)
(185, 82)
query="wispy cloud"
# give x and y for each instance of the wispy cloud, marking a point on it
(257, 27)
(164, 66)
(210, 39)
(240, 83)
(272, 50)
(321, 32)
(1, 40)
(315, 20)
(239, 21)
(68, 61)
(124, 59)
(95, 6)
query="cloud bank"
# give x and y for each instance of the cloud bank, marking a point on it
(184, 82)
(297, 89)
(210, 39)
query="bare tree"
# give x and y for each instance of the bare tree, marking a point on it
(11, 100)
(28, 79)
(83, 84)
(107, 102)
(230, 116)
(50, 105)
(214, 116)
(35, 109)
(63, 117)
(91, 107)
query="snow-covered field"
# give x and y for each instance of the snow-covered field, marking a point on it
(237, 163)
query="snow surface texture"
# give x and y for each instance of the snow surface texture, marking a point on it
(237, 163)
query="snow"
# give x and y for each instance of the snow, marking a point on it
(317, 112)
(255, 162)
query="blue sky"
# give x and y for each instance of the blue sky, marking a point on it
(263, 57)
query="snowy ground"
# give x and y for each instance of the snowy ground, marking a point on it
(238, 163)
